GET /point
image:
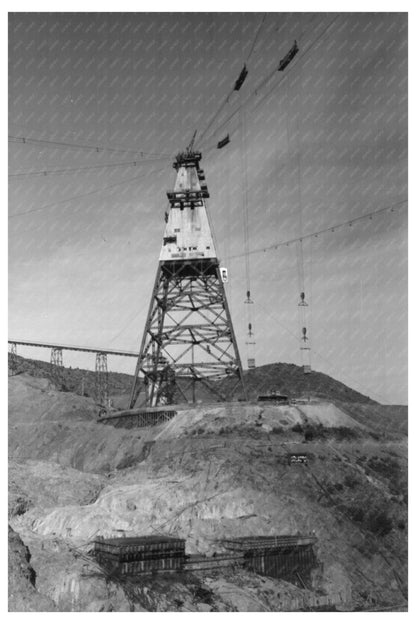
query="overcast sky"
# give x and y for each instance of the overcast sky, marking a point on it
(319, 144)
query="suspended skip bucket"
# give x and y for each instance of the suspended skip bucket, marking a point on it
(251, 362)
(307, 368)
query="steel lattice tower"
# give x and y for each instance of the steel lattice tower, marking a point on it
(101, 378)
(13, 359)
(188, 341)
(57, 366)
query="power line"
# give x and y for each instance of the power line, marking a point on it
(332, 228)
(78, 146)
(65, 171)
(82, 195)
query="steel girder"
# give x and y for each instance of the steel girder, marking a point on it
(188, 340)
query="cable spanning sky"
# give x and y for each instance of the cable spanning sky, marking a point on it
(99, 103)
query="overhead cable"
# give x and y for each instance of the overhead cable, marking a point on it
(355, 382)
(255, 38)
(332, 228)
(238, 84)
(315, 41)
(264, 81)
(217, 112)
(79, 146)
(46, 172)
(82, 195)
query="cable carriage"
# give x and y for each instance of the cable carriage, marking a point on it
(223, 142)
(240, 80)
(289, 56)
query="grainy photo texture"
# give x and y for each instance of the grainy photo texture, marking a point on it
(208, 312)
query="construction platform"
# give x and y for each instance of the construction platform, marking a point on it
(286, 556)
(133, 555)
(289, 557)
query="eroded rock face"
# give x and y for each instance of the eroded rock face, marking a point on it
(23, 595)
(65, 578)
(74, 591)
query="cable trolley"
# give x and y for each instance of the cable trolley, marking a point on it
(289, 56)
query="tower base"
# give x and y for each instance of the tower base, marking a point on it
(189, 351)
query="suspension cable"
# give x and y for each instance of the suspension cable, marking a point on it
(267, 78)
(332, 228)
(70, 170)
(80, 146)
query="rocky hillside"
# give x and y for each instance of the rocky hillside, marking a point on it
(287, 378)
(290, 379)
(77, 380)
(23, 595)
(211, 472)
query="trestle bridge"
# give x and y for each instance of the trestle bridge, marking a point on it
(56, 362)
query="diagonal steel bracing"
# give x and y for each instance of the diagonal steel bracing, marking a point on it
(188, 339)
(188, 347)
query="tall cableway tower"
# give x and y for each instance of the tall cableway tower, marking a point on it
(188, 350)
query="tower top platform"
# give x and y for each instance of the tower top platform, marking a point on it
(188, 233)
(188, 158)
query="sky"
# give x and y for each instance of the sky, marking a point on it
(320, 144)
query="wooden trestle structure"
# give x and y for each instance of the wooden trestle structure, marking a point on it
(288, 557)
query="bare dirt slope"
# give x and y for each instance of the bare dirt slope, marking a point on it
(212, 472)
(387, 420)
(46, 424)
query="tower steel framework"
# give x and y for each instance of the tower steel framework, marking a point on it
(101, 378)
(13, 359)
(57, 366)
(189, 349)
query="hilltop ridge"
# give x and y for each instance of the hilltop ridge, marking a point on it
(287, 378)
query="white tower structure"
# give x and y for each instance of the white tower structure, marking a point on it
(188, 350)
